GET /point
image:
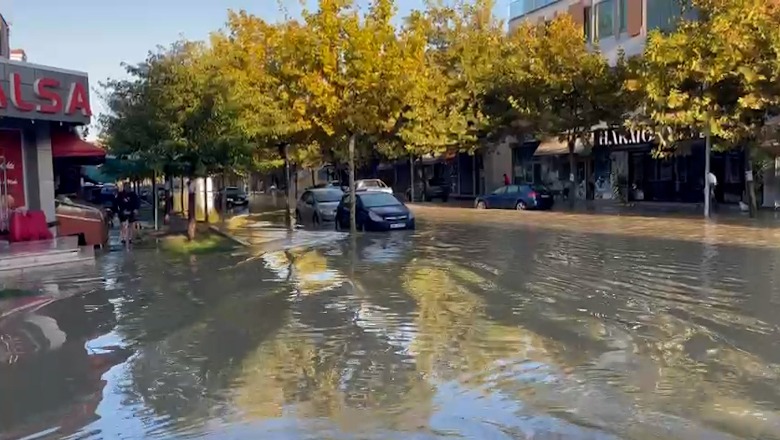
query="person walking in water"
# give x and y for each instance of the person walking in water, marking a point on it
(126, 204)
(713, 181)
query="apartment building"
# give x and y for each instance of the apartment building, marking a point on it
(621, 157)
(611, 25)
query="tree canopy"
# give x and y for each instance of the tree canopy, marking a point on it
(718, 73)
(445, 78)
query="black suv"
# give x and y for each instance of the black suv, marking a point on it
(437, 188)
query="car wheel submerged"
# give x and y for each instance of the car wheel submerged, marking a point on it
(521, 206)
(481, 205)
(315, 219)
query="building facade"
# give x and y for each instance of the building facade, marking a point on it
(610, 25)
(617, 162)
(39, 108)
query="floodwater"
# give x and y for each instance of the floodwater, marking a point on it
(478, 325)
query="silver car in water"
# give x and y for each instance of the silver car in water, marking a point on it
(318, 205)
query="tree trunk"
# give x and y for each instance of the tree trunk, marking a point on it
(292, 196)
(707, 154)
(181, 195)
(155, 200)
(168, 198)
(191, 220)
(572, 173)
(352, 195)
(289, 222)
(206, 200)
(411, 177)
(750, 182)
(223, 198)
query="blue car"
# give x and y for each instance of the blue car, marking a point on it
(375, 211)
(520, 197)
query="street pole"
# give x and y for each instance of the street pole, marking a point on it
(707, 153)
(288, 221)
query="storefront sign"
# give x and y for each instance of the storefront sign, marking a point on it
(37, 92)
(46, 97)
(617, 138)
(12, 178)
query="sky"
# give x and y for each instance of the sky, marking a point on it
(96, 36)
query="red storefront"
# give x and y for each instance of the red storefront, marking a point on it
(40, 108)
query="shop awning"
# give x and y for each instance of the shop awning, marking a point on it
(65, 144)
(554, 147)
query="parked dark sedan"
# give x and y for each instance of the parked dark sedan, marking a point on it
(436, 188)
(519, 197)
(235, 197)
(375, 211)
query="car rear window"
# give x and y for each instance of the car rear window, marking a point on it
(328, 195)
(376, 199)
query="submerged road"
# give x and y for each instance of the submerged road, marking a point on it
(487, 325)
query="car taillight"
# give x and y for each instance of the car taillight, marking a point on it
(532, 194)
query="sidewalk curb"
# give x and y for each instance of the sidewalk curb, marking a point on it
(230, 237)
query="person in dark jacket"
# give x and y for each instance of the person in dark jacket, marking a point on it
(126, 205)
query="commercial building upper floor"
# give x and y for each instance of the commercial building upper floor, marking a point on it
(612, 25)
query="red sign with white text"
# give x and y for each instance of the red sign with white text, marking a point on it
(11, 151)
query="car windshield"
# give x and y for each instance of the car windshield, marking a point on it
(234, 192)
(538, 188)
(328, 195)
(376, 199)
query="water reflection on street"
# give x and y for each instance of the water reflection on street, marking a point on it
(474, 326)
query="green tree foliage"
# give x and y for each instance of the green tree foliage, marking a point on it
(718, 74)
(553, 85)
(175, 113)
(450, 54)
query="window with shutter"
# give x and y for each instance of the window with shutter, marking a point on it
(634, 17)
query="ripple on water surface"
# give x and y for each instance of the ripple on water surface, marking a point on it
(457, 331)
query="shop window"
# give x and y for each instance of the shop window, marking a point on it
(605, 15)
(733, 170)
(537, 173)
(528, 173)
(565, 170)
(666, 170)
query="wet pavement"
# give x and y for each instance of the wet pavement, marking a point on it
(488, 325)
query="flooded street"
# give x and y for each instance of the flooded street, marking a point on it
(477, 325)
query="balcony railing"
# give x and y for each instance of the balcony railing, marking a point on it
(518, 8)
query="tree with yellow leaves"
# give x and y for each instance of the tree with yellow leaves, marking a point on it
(718, 75)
